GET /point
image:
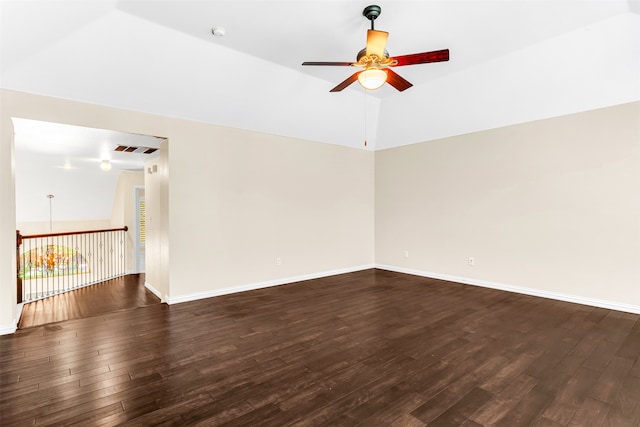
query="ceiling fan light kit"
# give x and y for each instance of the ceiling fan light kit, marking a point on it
(372, 78)
(376, 62)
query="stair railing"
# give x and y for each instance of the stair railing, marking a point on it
(50, 264)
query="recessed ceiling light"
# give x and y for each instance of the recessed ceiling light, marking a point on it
(105, 165)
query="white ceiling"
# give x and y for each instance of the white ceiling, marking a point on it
(79, 147)
(511, 62)
(64, 161)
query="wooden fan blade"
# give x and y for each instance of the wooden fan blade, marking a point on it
(352, 78)
(397, 81)
(376, 42)
(328, 63)
(422, 58)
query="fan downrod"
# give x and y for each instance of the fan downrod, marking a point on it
(372, 12)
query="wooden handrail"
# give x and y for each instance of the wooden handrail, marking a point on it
(69, 233)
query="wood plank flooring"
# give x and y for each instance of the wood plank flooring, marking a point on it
(116, 294)
(371, 348)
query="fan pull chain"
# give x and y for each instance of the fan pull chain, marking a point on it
(365, 115)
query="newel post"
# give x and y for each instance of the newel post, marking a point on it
(18, 267)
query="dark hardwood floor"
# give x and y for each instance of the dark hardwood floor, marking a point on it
(117, 294)
(372, 348)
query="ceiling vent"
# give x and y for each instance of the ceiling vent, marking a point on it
(139, 150)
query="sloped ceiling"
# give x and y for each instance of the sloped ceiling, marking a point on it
(511, 62)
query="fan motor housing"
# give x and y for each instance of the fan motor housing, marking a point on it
(372, 12)
(363, 52)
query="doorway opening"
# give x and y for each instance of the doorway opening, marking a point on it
(97, 177)
(140, 229)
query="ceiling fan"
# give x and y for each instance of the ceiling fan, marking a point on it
(376, 62)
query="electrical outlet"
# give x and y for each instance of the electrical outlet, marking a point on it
(471, 261)
(278, 261)
(406, 253)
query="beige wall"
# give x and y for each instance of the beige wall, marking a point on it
(8, 311)
(237, 199)
(250, 198)
(157, 220)
(124, 211)
(551, 206)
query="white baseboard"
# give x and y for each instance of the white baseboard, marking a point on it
(612, 305)
(577, 299)
(253, 286)
(153, 290)
(13, 327)
(9, 329)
